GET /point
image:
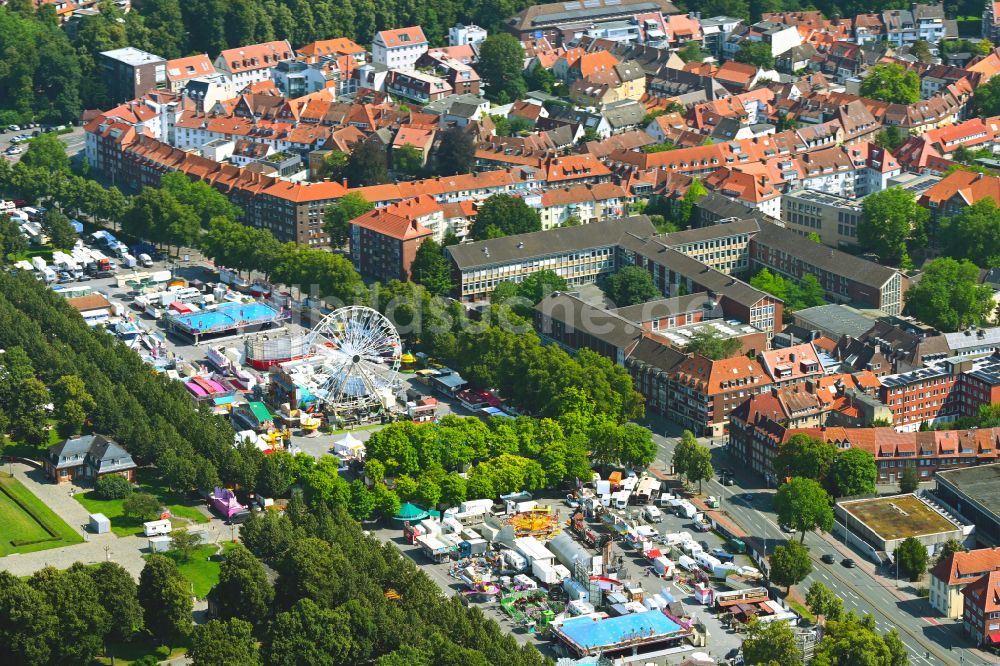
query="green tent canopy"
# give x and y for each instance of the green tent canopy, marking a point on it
(410, 512)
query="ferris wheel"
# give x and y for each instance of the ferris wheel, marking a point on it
(357, 352)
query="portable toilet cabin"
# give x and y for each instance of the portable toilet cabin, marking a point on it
(99, 523)
(159, 544)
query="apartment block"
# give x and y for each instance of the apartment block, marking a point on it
(130, 73)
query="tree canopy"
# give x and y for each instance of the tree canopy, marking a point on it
(889, 219)
(891, 83)
(755, 53)
(974, 234)
(431, 269)
(338, 216)
(711, 344)
(912, 557)
(501, 65)
(630, 286)
(949, 296)
(790, 564)
(504, 215)
(853, 472)
(803, 505)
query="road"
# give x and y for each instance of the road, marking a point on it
(862, 589)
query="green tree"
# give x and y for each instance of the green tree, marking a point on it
(683, 451)
(28, 623)
(699, 465)
(431, 269)
(183, 543)
(141, 506)
(692, 52)
(72, 403)
(367, 164)
(853, 472)
(974, 234)
(711, 344)
(408, 160)
(541, 78)
(12, 241)
(62, 235)
(822, 601)
(891, 83)
(949, 296)
(890, 138)
(82, 620)
(790, 564)
(243, 590)
(112, 486)
(683, 212)
(119, 595)
(912, 558)
(909, 480)
(165, 598)
(338, 216)
(224, 643)
(504, 215)
(986, 99)
(921, 50)
(949, 548)
(46, 153)
(453, 490)
(456, 152)
(387, 502)
(333, 166)
(803, 505)
(523, 296)
(629, 286)
(755, 53)
(889, 218)
(771, 643)
(849, 640)
(501, 65)
(804, 456)
(362, 501)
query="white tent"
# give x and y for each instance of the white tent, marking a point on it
(349, 446)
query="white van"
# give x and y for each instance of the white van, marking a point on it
(652, 514)
(145, 260)
(157, 527)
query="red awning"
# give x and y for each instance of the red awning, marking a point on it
(653, 554)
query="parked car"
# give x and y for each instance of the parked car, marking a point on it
(14, 128)
(849, 563)
(572, 502)
(828, 558)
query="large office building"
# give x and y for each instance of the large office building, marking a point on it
(845, 278)
(833, 218)
(580, 255)
(974, 493)
(557, 21)
(130, 73)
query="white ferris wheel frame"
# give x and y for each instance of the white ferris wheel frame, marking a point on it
(355, 343)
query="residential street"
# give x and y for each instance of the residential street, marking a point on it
(863, 589)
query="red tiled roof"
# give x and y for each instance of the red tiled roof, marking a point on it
(960, 567)
(402, 36)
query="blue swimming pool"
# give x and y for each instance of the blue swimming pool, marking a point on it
(589, 633)
(229, 315)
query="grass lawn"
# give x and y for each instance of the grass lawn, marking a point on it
(801, 610)
(201, 570)
(30, 451)
(23, 517)
(178, 506)
(43, 252)
(126, 653)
